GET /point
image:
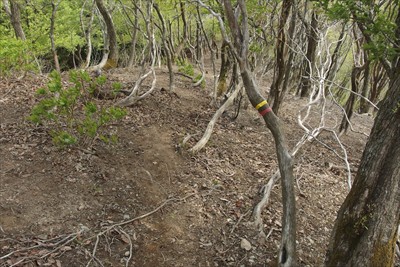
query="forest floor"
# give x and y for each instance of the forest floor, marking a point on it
(67, 207)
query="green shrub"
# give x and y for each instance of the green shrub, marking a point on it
(185, 67)
(71, 113)
(15, 56)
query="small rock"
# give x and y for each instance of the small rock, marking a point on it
(245, 244)
(127, 254)
(126, 217)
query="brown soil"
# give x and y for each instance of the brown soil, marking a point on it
(47, 193)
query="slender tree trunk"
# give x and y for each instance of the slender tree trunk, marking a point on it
(240, 34)
(355, 74)
(365, 230)
(360, 65)
(310, 56)
(364, 105)
(166, 48)
(185, 36)
(132, 53)
(333, 66)
(378, 82)
(280, 51)
(88, 32)
(13, 11)
(288, 69)
(112, 61)
(224, 69)
(54, 7)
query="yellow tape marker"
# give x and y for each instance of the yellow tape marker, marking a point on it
(262, 103)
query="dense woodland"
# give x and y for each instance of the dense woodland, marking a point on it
(343, 51)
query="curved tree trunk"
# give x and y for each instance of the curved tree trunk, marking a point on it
(240, 36)
(365, 230)
(112, 60)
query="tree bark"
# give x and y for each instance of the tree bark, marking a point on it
(132, 52)
(378, 82)
(88, 32)
(365, 230)
(310, 56)
(349, 106)
(185, 36)
(54, 7)
(13, 11)
(224, 69)
(166, 48)
(364, 105)
(333, 66)
(240, 36)
(112, 61)
(281, 52)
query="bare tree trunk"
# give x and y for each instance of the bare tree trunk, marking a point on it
(333, 66)
(223, 72)
(13, 11)
(310, 56)
(240, 46)
(364, 105)
(185, 36)
(281, 51)
(87, 33)
(365, 230)
(151, 49)
(360, 64)
(54, 7)
(288, 69)
(132, 53)
(212, 49)
(378, 82)
(166, 49)
(112, 60)
(355, 75)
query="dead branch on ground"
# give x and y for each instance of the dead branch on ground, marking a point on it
(50, 249)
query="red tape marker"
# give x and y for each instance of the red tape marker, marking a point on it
(265, 111)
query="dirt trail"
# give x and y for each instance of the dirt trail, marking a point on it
(47, 192)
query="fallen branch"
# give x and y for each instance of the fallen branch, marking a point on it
(114, 226)
(44, 244)
(52, 248)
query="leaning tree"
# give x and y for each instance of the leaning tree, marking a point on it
(238, 40)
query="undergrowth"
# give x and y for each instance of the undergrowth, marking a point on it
(72, 115)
